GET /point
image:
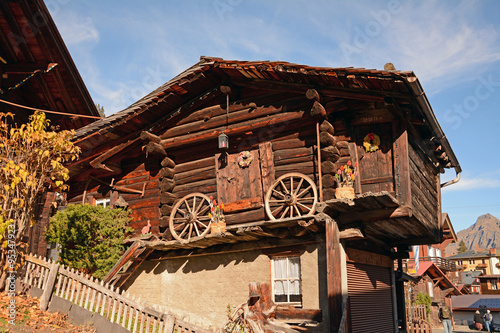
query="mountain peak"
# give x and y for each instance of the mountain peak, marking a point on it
(483, 234)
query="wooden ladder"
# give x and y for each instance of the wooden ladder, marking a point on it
(128, 263)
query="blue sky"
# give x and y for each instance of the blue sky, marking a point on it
(125, 49)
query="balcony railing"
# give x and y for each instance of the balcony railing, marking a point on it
(442, 263)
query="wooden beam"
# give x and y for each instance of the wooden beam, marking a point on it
(333, 274)
(375, 214)
(155, 148)
(234, 129)
(145, 135)
(294, 314)
(234, 248)
(327, 91)
(245, 204)
(112, 152)
(351, 234)
(313, 94)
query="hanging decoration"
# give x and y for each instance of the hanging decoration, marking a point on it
(245, 158)
(19, 84)
(371, 142)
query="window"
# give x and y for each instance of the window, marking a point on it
(483, 261)
(286, 280)
(459, 262)
(105, 202)
(472, 261)
(494, 285)
(430, 287)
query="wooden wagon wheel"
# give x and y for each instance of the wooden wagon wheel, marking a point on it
(189, 217)
(291, 195)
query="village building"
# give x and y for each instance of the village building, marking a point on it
(490, 284)
(268, 139)
(470, 282)
(434, 275)
(487, 262)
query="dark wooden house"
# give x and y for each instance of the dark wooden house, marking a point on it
(290, 129)
(37, 70)
(38, 73)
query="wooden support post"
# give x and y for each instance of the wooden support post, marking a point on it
(49, 287)
(333, 273)
(319, 164)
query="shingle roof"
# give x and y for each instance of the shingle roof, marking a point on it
(474, 301)
(472, 254)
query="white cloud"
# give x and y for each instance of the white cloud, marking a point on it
(474, 183)
(76, 29)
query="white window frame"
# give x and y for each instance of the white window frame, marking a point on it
(494, 284)
(430, 287)
(298, 279)
(105, 202)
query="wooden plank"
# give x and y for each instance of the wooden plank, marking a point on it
(401, 162)
(194, 165)
(289, 313)
(235, 129)
(353, 152)
(244, 204)
(333, 273)
(266, 165)
(222, 120)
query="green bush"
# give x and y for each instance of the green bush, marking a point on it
(91, 237)
(424, 298)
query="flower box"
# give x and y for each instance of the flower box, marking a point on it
(217, 228)
(344, 193)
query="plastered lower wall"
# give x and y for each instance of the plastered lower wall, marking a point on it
(204, 286)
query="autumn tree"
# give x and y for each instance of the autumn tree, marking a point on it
(91, 237)
(462, 247)
(31, 162)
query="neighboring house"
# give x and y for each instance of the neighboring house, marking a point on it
(465, 306)
(324, 258)
(436, 254)
(470, 282)
(31, 44)
(487, 262)
(434, 282)
(490, 284)
(33, 53)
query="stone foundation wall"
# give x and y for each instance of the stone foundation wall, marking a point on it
(204, 286)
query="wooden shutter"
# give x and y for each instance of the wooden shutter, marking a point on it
(370, 294)
(238, 183)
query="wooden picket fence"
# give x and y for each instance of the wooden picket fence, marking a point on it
(416, 319)
(95, 296)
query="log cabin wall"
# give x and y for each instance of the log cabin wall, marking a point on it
(425, 196)
(281, 137)
(138, 175)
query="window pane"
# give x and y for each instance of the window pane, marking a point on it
(279, 287)
(280, 268)
(294, 268)
(280, 298)
(294, 287)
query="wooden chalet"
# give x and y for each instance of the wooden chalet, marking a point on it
(37, 70)
(290, 128)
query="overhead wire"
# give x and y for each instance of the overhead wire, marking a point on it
(48, 111)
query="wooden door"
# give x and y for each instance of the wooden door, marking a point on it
(237, 182)
(376, 168)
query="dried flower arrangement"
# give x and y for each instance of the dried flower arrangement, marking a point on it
(346, 175)
(216, 211)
